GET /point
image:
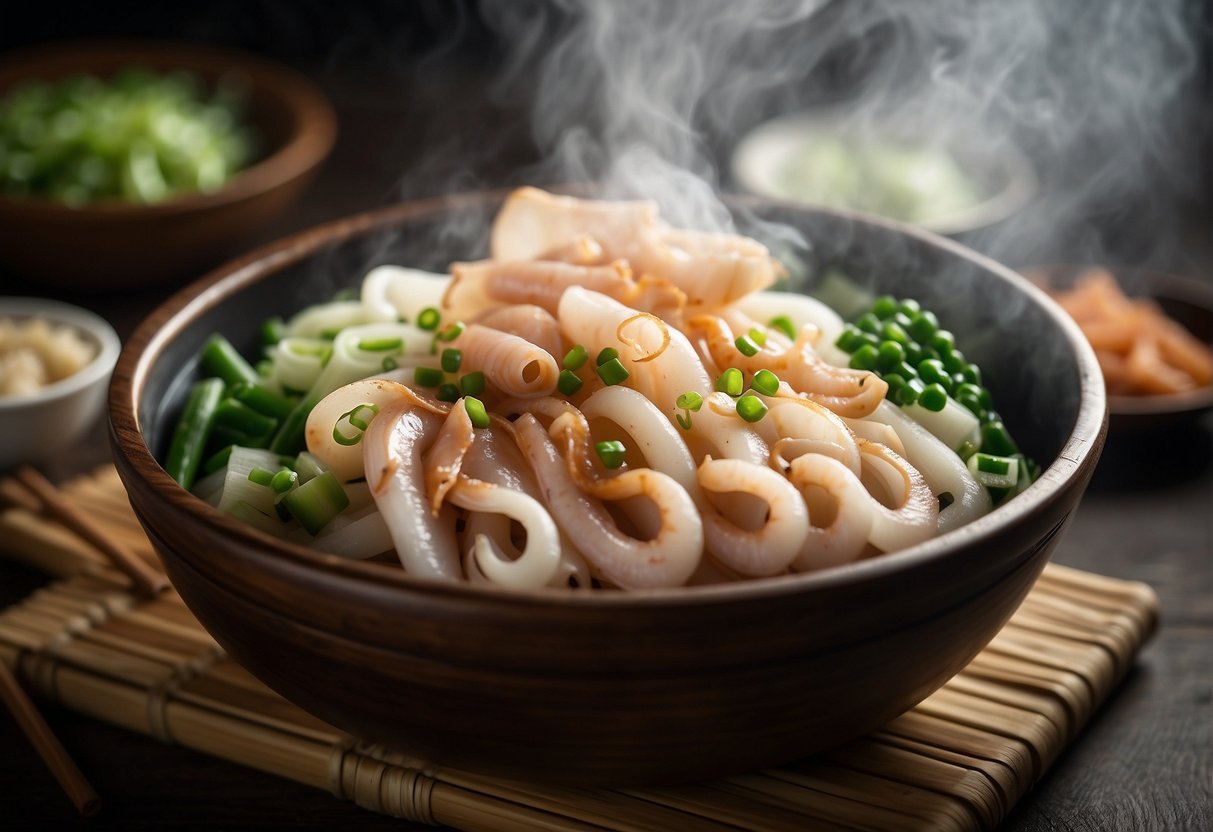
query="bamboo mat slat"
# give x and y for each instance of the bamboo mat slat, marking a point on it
(958, 761)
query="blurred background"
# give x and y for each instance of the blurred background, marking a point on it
(1100, 115)
(1111, 103)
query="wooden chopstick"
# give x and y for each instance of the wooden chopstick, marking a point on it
(47, 745)
(147, 581)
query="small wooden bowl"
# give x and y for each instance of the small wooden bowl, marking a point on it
(1188, 302)
(611, 687)
(114, 245)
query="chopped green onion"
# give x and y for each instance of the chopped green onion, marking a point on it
(612, 372)
(868, 322)
(889, 354)
(260, 476)
(263, 400)
(575, 358)
(994, 471)
(690, 400)
(357, 420)
(746, 345)
(449, 393)
(923, 326)
(751, 408)
(784, 324)
(765, 382)
(731, 381)
(757, 336)
(933, 398)
(315, 503)
(284, 481)
(864, 358)
(273, 330)
(381, 344)
(996, 440)
(611, 453)
(568, 383)
(290, 436)
(219, 358)
(331, 333)
(884, 306)
(966, 450)
(851, 338)
(451, 331)
(683, 419)
(607, 354)
(451, 360)
(217, 460)
(427, 376)
(472, 384)
(235, 418)
(476, 411)
(389, 364)
(428, 319)
(264, 368)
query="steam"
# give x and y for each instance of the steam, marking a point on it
(646, 97)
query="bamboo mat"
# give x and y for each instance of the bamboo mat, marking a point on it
(958, 761)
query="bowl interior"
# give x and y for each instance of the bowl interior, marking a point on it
(1022, 341)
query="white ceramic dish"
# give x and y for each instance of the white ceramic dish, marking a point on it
(34, 426)
(1002, 173)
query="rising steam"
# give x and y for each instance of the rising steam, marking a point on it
(646, 96)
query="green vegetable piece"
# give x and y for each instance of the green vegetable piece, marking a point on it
(784, 324)
(765, 382)
(607, 354)
(690, 400)
(568, 382)
(893, 331)
(731, 381)
(217, 460)
(449, 393)
(381, 344)
(472, 384)
(751, 408)
(284, 481)
(884, 306)
(864, 358)
(427, 376)
(746, 345)
(611, 454)
(263, 400)
(923, 326)
(316, 502)
(260, 476)
(476, 411)
(389, 364)
(220, 358)
(193, 430)
(452, 360)
(995, 439)
(273, 330)
(933, 398)
(575, 358)
(359, 419)
(851, 338)
(429, 319)
(612, 372)
(943, 342)
(869, 323)
(890, 354)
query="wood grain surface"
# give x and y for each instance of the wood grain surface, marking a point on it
(1144, 762)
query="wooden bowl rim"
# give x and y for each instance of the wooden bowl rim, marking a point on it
(1075, 460)
(311, 140)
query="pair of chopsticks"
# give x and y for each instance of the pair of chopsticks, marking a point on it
(145, 580)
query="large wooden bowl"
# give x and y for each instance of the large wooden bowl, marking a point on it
(611, 687)
(114, 245)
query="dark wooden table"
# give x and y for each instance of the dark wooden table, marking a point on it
(1142, 763)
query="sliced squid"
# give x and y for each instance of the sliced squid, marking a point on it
(840, 512)
(392, 450)
(575, 501)
(513, 365)
(770, 548)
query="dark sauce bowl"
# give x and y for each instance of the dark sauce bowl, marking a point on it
(611, 687)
